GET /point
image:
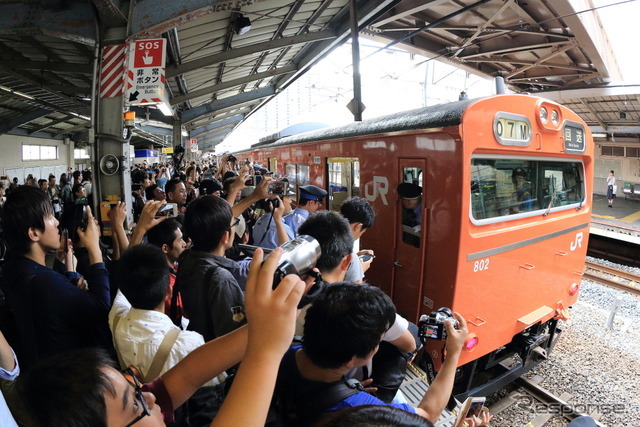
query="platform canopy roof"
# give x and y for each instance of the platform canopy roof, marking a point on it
(217, 75)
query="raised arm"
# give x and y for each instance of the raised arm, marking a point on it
(261, 192)
(117, 216)
(146, 221)
(283, 237)
(437, 396)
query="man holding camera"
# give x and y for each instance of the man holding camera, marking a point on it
(355, 316)
(270, 230)
(309, 201)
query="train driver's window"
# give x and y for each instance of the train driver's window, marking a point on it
(410, 193)
(517, 186)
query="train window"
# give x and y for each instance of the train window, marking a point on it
(273, 164)
(520, 187)
(411, 199)
(297, 175)
(344, 180)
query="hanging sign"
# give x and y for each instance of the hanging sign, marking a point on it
(145, 75)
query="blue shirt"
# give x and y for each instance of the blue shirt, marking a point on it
(6, 419)
(268, 237)
(295, 218)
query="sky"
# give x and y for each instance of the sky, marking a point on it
(395, 80)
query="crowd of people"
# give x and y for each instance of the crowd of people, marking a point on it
(175, 319)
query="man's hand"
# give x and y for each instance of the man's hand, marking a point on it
(365, 264)
(90, 238)
(278, 211)
(262, 189)
(456, 337)
(271, 313)
(148, 218)
(118, 214)
(238, 183)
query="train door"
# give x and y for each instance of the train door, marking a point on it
(344, 180)
(273, 166)
(409, 239)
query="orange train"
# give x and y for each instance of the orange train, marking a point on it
(498, 231)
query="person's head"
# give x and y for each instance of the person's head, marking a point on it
(332, 232)
(78, 191)
(86, 175)
(208, 222)
(410, 195)
(168, 236)
(153, 192)
(43, 184)
(176, 191)
(345, 324)
(359, 213)
(229, 174)
(143, 276)
(372, 416)
(63, 180)
(82, 388)
(52, 180)
(210, 186)
(141, 177)
(519, 177)
(311, 197)
(611, 173)
(28, 219)
(77, 175)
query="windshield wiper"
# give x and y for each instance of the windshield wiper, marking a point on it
(553, 199)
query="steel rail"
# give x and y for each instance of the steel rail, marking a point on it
(598, 273)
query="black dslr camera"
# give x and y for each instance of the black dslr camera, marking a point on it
(432, 325)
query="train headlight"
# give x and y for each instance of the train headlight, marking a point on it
(574, 288)
(555, 117)
(471, 342)
(544, 115)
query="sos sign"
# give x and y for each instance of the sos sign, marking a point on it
(149, 53)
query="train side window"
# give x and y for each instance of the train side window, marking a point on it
(509, 187)
(297, 175)
(273, 164)
(344, 180)
(411, 200)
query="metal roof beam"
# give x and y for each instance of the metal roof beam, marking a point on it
(556, 52)
(212, 142)
(406, 9)
(218, 124)
(248, 50)
(51, 124)
(220, 115)
(25, 118)
(604, 91)
(223, 131)
(515, 49)
(479, 30)
(197, 112)
(231, 83)
(615, 129)
(64, 67)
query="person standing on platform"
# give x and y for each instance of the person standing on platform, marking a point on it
(309, 201)
(611, 184)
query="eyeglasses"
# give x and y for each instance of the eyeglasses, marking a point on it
(236, 221)
(130, 376)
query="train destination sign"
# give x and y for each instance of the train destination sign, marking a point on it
(574, 137)
(512, 129)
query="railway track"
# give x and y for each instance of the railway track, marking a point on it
(612, 277)
(539, 403)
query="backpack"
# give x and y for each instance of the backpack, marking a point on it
(299, 402)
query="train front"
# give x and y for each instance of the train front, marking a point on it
(526, 189)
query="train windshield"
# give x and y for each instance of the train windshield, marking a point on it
(515, 188)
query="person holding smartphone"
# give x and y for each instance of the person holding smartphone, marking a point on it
(360, 214)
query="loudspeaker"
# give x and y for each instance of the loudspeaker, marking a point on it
(109, 164)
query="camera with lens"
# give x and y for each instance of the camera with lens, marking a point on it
(264, 204)
(432, 325)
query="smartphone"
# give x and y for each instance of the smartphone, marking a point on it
(251, 181)
(366, 257)
(85, 218)
(64, 240)
(278, 187)
(470, 408)
(170, 210)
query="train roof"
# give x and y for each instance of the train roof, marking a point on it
(441, 115)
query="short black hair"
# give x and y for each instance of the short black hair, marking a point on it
(206, 220)
(143, 276)
(346, 320)
(170, 186)
(68, 389)
(332, 231)
(373, 416)
(76, 187)
(25, 207)
(164, 233)
(357, 209)
(148, 192)
(86, 175)
(138, 176)
(41, 181)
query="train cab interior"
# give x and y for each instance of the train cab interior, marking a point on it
(508, 187)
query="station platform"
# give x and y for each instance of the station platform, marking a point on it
(621, 222)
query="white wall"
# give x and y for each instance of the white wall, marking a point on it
(627, 169)
(11, 162)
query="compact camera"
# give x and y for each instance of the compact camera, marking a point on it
(299, 257)
(432, 325)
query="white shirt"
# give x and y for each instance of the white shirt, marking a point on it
(140, 333)
(6, 418)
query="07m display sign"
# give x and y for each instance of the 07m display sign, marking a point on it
(145, 74)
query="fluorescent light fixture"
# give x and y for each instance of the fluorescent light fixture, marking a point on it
(599, 135)
(165, 109)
